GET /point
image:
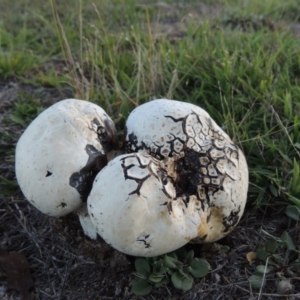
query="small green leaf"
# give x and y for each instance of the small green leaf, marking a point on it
(155, 278)
(170, 262)
(185, 270)
(275, 260)
(173, 255)
(261, 269)
(151, 260)
(273, 190)
(177, 280)
(140, 287)
(294, 199)
(224, 248)
(257, 281)
(293, 212)
(10, 183)
(164, 281)
(18, 120)
(170, 271)
(285, 157)
(180, 253)
(187, 283)
(158, 267)
(142, 266)
(199, 267)
(181, 282)
(297, 145)
(271, 246)
(262, 254)
(287, 240)
(189, 256)
(284, 287)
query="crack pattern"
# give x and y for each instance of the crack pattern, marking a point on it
(106, 133)
(140, 168)
(205, 160)
(145, 240)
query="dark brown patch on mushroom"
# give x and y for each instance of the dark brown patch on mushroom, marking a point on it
(108, 136)
(230, 221)
(48, 173)
(164, 179)
(131, 146)
(192, 173)
(106, 133)
(82, 181)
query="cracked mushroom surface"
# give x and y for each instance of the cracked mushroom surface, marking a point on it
(59, 155)
(135, 218)
(183, 180)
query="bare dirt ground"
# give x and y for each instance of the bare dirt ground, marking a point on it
(64, 264)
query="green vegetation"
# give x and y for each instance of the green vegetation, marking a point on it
(244, 72)
(179, 267)
(281, 260)
(239, 60)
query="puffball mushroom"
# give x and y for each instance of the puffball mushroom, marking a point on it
(184, 181)
(134, 217)
(59, 155)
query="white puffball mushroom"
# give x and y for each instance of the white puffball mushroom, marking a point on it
(59, 155)
(85, 221)
(208, 164)
(185, 181)
(137, 217)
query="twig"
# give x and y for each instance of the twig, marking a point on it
(277, 295)
(64, 280)
(263, 279)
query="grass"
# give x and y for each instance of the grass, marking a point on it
(238, 60)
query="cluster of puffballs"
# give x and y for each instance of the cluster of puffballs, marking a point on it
(176, 177)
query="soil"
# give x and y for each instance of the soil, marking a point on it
(65, 264)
